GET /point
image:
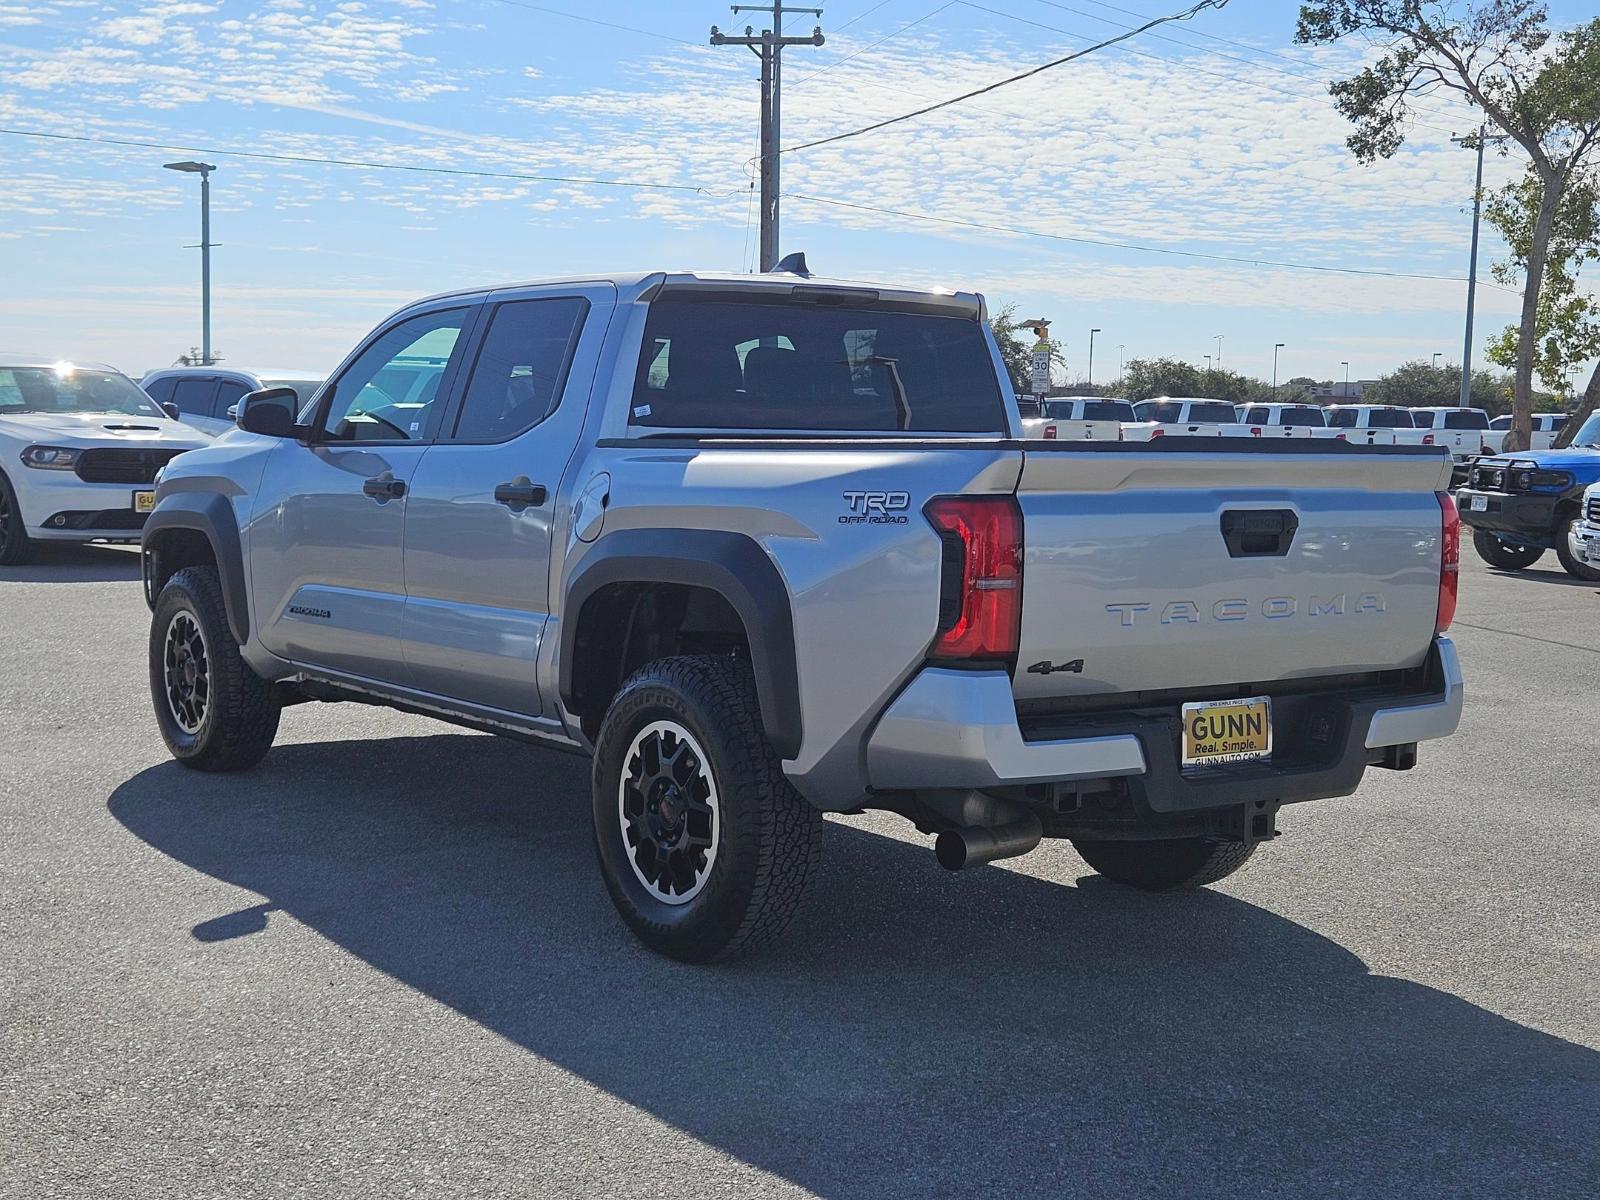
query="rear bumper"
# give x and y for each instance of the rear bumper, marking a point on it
(959, 729)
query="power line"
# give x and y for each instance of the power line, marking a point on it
(367, 165)
(1106, 242)
(571, 16)
(839, 137)
(874, 45)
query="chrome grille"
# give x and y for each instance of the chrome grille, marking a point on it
(1592, 512)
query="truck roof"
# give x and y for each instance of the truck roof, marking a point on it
(636, 285)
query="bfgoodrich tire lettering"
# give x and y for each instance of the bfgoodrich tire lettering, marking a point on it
(1506, 556)
(755, 841)
(214, 712)
(1169, 865)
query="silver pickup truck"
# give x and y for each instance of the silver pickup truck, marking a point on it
(768, 547)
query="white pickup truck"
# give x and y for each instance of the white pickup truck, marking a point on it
(1182, 416)
(1376, 425)
(1462, 431)
(1545, 428)
(1284, 420)
(1079, 419)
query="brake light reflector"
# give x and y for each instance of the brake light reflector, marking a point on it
(980, 602)
(1449, 561)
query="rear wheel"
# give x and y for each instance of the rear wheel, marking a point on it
(16, 547)
(703, 843)
(215, 713)
(1507, 556)
(1567, 552)
(1171, 865)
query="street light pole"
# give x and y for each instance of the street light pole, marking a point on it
(1208, 362)
(1478, 139)
(1092, 332)
(1275, 349)
(204, 171)
(1436, 354)
(1219, 352)
(1346, 367)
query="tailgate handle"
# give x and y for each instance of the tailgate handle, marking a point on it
(1259, 533)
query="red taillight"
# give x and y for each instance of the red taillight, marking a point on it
(1449, 561)
(1155, 433)
(1255, 431)
(1427, 439)
(980, 603)
(1049, 433)
(1339, 437)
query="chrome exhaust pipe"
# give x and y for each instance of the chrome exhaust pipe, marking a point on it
(969, 845)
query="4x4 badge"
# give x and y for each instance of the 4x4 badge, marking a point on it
(1046, 667)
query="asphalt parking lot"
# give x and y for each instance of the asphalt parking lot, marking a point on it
(383, 964)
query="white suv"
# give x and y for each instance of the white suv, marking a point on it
(206, 397)
(80, 446)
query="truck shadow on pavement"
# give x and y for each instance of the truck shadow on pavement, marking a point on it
(75, 564)
(916, 1033)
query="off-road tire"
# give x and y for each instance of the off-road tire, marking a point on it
(1168, 865)
(240, 715)
(1570, 562)
(16, 547)
(1504, 556)
(770, 837)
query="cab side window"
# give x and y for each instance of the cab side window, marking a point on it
(520, 370)
(391, 391)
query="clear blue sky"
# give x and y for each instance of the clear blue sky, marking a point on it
(1214, 137)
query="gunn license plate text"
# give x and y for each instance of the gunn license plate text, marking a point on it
(1227, 731)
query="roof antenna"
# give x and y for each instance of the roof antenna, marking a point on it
(794, 264)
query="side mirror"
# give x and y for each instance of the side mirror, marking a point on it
(171, 410)
(270, 411)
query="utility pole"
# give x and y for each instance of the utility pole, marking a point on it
(1275, 350)
(204, 171)
(1473, 139)
(768, 46)
(1092, 332)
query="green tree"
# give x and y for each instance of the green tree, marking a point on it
(1420, 384)
(1143, 378)
(1499, 56)
(1567, 324)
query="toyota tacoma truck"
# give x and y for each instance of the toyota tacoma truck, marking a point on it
(1520, 505)
(769, 547)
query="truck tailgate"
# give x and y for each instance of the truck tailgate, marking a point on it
(1158, 567)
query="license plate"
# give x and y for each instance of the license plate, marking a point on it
(144, 502)
(1227, 731)
(1478, 504)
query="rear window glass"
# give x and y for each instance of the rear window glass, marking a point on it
(1466, 420)
(1500, 423)
(1213, 414)
(1344, 418)
(1107, 410)
(1424, 420)
(719, 364)
(1307, 416)
(1256, 416)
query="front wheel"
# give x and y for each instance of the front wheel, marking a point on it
(215, 713)
(1506, 556)
(704, 845)
(1171, 865)
(1567, 552)
(16, 547)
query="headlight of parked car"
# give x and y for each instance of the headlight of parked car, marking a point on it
(50, 458)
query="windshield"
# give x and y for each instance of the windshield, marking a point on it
(72, 390)
(1589, 435)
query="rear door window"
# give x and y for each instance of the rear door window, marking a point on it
(709, 362)
(517, 379)
(195, 395)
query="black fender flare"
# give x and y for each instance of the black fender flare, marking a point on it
(208, 513)
(732, 564)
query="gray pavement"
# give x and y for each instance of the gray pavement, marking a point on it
(383, 965)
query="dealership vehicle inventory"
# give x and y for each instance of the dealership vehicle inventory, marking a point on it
(769, 546)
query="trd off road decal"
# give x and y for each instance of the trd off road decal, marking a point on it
(876, 508)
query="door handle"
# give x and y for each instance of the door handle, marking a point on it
(1259, 533)
(519, 494)
(384, 487)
